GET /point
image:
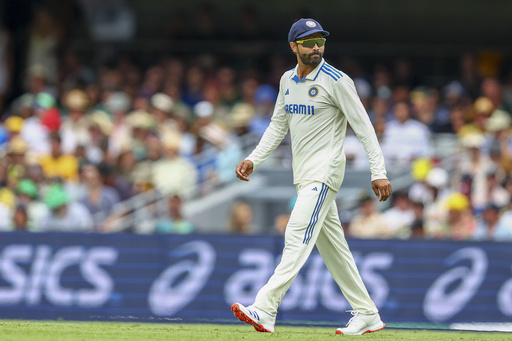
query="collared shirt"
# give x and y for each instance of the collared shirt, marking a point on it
(316, 110)
(402, 142)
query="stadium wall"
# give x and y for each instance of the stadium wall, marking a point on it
(196, 278)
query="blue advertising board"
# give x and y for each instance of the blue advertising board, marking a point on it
(196, 278)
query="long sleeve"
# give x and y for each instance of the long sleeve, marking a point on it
(273, 135)
(346, 98)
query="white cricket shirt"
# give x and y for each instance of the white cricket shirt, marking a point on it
(316, 109)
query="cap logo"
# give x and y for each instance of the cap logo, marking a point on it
(310, 23)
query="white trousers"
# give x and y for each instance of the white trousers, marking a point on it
(315, 220)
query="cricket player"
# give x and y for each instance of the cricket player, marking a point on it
(315, 102)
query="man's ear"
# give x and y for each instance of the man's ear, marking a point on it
(293, 46)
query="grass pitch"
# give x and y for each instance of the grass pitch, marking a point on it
(126, 331)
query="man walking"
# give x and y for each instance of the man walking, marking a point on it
(315, 102)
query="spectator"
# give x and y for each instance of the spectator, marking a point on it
(405, 138)
(473, 166)
(248, 89)
(173, 173)
(141, 124)
(20, 219)
(417, 229)
(498, 139)
(124, 167)
(435, 212)
(495, 193)
(453, 95)
(399, 216)
(13, 125)
(194, 84)
(5, 217)
(210, 138)
(33, 131)
(74, 128)
(457, 120)
(264, 100)
(37, 212)
(227, 86)
(65, 215)
(420, 191)
(477, 117)
(100, 199)
(380, 108)
(161, 109)
(240, 120)
(492, 89)
(16, 161)
(503, 231)
(175, 223)
(240, 219)
(97, 150)
(369, 223)
(460, 223)
(46, 107)
(428, 111)
(486, 228)
(59, 164)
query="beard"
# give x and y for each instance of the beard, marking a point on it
(313, 59)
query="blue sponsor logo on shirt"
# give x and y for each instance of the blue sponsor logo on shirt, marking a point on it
(299, 109)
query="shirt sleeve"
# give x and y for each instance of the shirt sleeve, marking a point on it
(346, 99)
(274, 134)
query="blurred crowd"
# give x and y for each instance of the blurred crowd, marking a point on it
(81, 139)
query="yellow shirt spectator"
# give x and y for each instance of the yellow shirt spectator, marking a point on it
(64, 166)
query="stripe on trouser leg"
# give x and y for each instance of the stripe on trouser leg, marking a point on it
(324, 195)
(314, 216)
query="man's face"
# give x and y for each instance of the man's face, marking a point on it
(401, 112)
(309, 55)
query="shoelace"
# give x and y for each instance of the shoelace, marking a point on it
(354, 315)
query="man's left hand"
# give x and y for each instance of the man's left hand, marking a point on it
(382, 189)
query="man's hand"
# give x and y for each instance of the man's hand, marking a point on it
(382, 189)
(244, 169)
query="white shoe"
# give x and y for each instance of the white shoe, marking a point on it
(361, 324)
(261, 321)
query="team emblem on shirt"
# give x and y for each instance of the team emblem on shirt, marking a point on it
(310, 23)
(313, 91)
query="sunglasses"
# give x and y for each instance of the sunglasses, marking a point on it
(311, 42)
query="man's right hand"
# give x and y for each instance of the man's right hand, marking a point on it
(244, 169)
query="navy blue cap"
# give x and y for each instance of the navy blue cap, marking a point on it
(305, 27)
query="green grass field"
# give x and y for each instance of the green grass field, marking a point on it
(126, 331)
